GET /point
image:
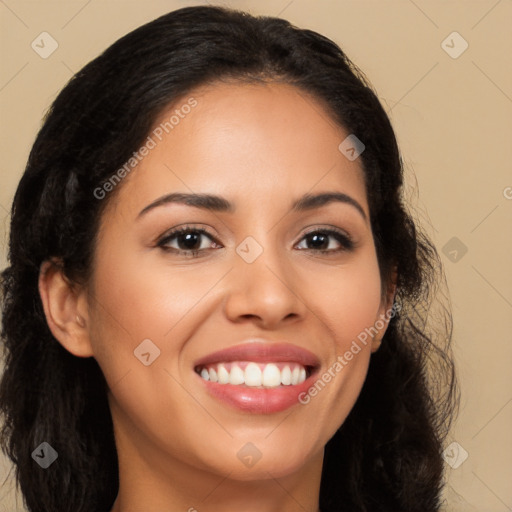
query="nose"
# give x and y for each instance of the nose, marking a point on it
(265, 292)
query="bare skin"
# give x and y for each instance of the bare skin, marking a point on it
(261, 147)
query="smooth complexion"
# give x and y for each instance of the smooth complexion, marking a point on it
(261, 147)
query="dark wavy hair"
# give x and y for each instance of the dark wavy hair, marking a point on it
(387, 455)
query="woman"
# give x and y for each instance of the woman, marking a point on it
(216, 299)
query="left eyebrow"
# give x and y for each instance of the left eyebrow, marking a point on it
(220, 204)
(310, 201)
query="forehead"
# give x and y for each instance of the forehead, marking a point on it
(250, 142)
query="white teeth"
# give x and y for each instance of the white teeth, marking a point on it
(223, 374)
(252, 375)
(237, 375)
(295, 376)
(269, 375)
(286, 376)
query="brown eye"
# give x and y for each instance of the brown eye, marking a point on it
(320, 240)
(187, 241)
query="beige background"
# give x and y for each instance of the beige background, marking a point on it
(453, 118)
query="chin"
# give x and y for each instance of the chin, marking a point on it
(251, 463)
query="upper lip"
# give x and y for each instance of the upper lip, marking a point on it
(261, 351)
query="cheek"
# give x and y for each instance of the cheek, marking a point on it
(146, 299)
(131, 305)
(348, 298)
(133, 302)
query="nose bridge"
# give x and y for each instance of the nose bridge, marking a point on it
(262, 282)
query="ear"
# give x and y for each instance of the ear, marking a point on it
(387, 310)
(65, 308)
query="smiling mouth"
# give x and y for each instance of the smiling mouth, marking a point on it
(254, 374)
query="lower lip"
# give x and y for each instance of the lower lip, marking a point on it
(259, 400)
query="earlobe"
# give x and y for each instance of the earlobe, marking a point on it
(65, 309)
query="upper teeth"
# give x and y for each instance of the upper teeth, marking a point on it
(255, 374)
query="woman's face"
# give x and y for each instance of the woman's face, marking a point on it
(258, 305)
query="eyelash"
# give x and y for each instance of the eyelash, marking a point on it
(343, 239)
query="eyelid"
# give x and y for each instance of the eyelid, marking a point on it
(331, 229)
(177, 230)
